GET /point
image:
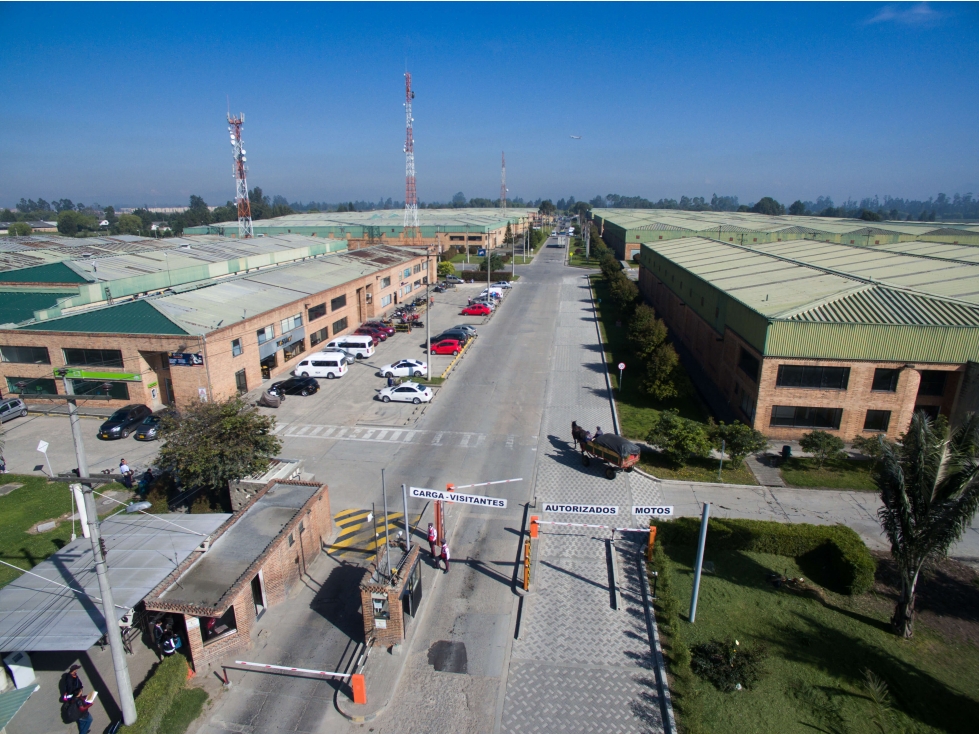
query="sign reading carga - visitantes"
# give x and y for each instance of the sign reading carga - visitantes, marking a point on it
(456, 497)
(655, 510)
(581, 509)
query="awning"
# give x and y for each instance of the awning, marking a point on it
(142, 551)
(12, 701)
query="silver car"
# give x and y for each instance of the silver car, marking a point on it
(12, 408)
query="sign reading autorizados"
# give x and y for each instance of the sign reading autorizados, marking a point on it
(456, 497)
(581, 509)
(655, 510)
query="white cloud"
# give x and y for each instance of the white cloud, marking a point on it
(920, 14)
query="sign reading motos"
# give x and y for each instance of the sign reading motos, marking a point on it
(456, 497)
(581, 509)
(656, 510)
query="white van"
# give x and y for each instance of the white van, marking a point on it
(323, 364)
(360, 345)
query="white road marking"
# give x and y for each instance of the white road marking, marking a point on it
(446, 439)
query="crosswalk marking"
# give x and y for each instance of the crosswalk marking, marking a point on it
(441, 439)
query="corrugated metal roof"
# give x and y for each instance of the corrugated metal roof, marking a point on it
(18, 306)
(134, 317)
(51, 273)
(11, 702)
(879, 305)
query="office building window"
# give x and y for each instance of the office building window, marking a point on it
(386, 300)
(877, 420)
(417, 268)
(932, 383)
(116, 390)
(316, 312)
(339, 302)
(816, 378)
(294, 350)
(265, 334)
(318, 336)
(236, 348)
(748, 364)
(25, 355)
(406, 273)
(386, 282)
(885, 380)
(748, 405)
(293, 322)
(31, 386)
(339, 326)
(93, 357)
(802, 417)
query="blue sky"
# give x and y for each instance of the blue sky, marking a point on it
(125, 103)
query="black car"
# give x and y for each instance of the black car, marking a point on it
(461, 335)
(148, 429)
(121, 422)
(295, 386)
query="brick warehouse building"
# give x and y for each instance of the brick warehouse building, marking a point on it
(804, 335)
(235, 323)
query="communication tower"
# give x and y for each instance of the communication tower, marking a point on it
(241, 183)
(411, 197)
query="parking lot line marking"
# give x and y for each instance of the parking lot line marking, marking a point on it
(438, 439)
(509, 441)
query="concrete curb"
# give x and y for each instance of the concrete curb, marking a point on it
(608, 380)
(666, 703)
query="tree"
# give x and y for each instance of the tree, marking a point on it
(768, 205)
(445, 268)
(129, 224)
(661, 378)
(797, 209)
(678, 438)
(869, 216)
(110, 215)
(70, 223)
(508, 235)
(824, 446)
(495, 260)
(458, 199)
(547, 208)
(739, 440)
(212, 443)
(19, 229)
(646, 332)
(929, 487)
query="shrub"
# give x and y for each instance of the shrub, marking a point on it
(678, 438)
(157, 694)
(19, 229)
(445, 268)
(739, 440)
(824, 446)
(726, 665)
(838, 547)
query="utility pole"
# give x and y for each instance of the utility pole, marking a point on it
(428, 312)
(387, 545)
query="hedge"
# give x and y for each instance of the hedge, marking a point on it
(836, 546)
(480, 275)
(157, 694)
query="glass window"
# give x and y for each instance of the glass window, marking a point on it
(93, 357)
(241, 381)
(932, 382)
(339, 326)
(265, 334)
(885, 380)
(214, 628)
(236, 349)
(294, 350)
(417, 268)
(292, 540)
(803, 417)
(930, 411)
(116, 390)
(316, 312)
(818, 378)
(28, 386)
(339, 302)
(877, 420)
(25, 355)
(386, 282)
(318, 336)
(293, 322)
(748, 364)
(748, 405)
(406, 289)
(406, 273)
(386, 300)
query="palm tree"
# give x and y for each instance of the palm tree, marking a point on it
(930, 489)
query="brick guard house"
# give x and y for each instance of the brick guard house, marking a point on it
(251, 563)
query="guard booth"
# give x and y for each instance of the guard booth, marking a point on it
(389, 603)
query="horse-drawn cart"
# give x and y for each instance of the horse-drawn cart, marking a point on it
(617, 453)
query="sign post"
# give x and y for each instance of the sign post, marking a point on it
(621, 368)
(699, 563)
(42, 446)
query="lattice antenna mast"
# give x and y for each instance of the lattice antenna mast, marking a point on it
(241, 183)
(503, 186)
(411, 196)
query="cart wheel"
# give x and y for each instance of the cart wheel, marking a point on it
(610, 472)
(585, 460)
(629, 468)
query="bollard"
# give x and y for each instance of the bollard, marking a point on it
(652, 540)
(526, 565)
(359, 688)
(534, 526)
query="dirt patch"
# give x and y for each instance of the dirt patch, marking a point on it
(947, 599)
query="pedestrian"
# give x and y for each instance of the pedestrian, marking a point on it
(127, 474)
(445, 555)
(70, 684)
(390, 381)
(76, 710)
(598, 431)
(433, 538)
(158, 634)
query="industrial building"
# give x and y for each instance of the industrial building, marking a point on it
(797, 335)
(209, 319)
(441, 227)
(624, 230)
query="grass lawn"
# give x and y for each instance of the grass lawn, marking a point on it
(186, 707)
(844, 474)
(636, 410)
(580, 261)
(696, 470)
(24, 507)
(816, 653)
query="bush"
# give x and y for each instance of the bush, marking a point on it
(837, 547)
(726, 665)
(187, 706)
(739, 440)
(445, 268)
(166, 680)
(19, 229)
(823, 446)
(678, 438)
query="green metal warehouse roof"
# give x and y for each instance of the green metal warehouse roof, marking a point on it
(20, 305)
(50, 273)
(134, 317)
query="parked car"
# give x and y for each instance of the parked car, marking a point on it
(447, 346)
(453, 279)
(380, 325)
(468, 328)
(484, 301)
(494, 292)
(149, 428)
(120, 423)
(407, 392)
(349, 357)
(11, 408)
(405, 368)
(359, 345)
(324, 364)
(459, 335)
(477, 309)
(295, 386)
(378, 335)
(504, 284)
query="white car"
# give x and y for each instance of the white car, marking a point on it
(408, 392)
(404, 368)
(502, 284)
(494, 292)
(324, 364)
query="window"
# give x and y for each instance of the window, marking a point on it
(93, 357)
(316, 312)
(386, 282)
(418, 283)
(406, 273)
(801, 417)
(318, 336)
(25, 355)
(932, 383)
(406, 289)
(748, 364)
(294, 350)
(31, 386)
(292, 540)
(339, 326)
(818, 378)
(930, 411)
(877, 420)
(241, 382)
(293, 322)
(339, 302)
(885, 380)
(747, 405)
(116, 390)
(236, 349)
(215, 628)
(417, 268)
(386, 300)
(265, 334)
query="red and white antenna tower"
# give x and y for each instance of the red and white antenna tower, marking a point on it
(241, 184)
(411, 197)
(503, 186)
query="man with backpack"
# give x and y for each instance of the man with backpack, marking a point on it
(70, 684)
(76, 711)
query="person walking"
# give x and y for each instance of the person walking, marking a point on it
(76, 710)
(445, 555)
(433, 538)
(70, 684)
(158, 635)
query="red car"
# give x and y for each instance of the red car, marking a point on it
(447, 346)
(381, 326)
(477, 309)
(376, 334)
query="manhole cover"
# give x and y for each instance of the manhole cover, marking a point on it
(448, 657)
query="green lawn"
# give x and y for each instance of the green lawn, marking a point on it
(695, 470)
(844, 474)
(580, 261)
(186, 707)
(816, 654)
(24, 507)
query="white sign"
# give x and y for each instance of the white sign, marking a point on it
(456, 497)
(581, 509)
(621, 365)
(42, 446)
(657, 510)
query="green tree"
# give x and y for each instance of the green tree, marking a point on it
(646, 332)
(768, 205)
(660, 378)
(797, 209)
(212, 443)
(508, 235)
(129, 224)
(495, 260)
(547, 208)
(678, 438)
(625, 292)
(869, 216)
(929, 486)
(739, 440)
(110, 215)
(824, 446)
(71, 223)
(445, 268)
(19, 229)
